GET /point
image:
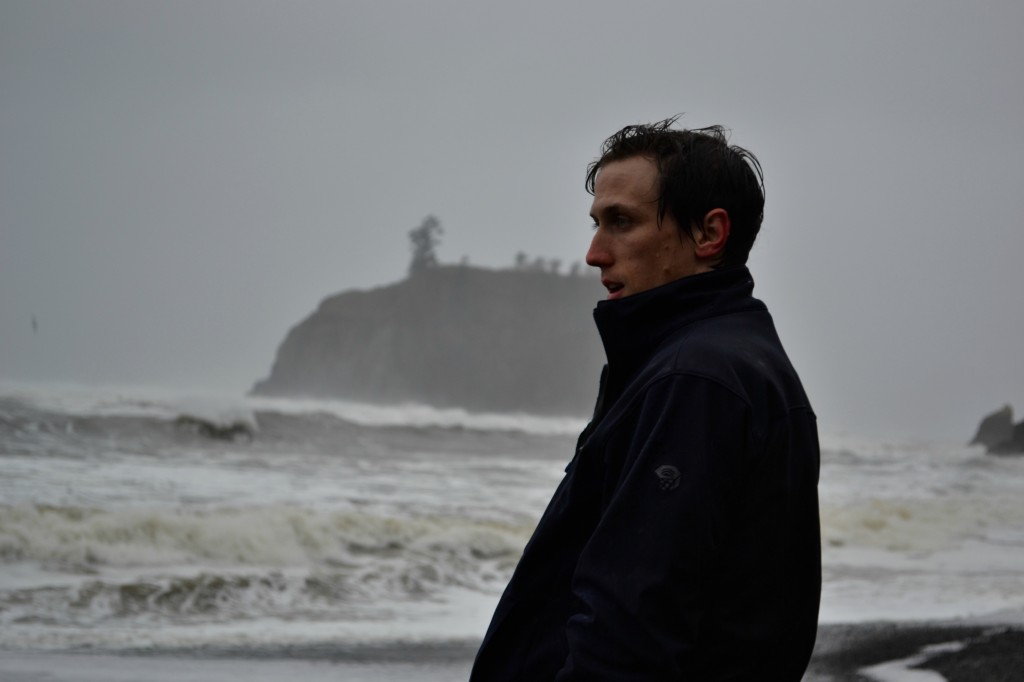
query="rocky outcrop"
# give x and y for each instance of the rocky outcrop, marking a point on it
(495, 340)
(999, 434)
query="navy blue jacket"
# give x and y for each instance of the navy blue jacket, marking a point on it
(683, 542)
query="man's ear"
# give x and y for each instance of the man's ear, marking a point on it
(710, 242)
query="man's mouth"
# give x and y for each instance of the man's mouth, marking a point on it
(614, 288)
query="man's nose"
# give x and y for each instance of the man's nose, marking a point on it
(598, 255)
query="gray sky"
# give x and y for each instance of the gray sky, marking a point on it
(181, 182)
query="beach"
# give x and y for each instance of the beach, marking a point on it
(918, 652)
(858, 652)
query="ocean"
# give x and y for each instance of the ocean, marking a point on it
(336, 540)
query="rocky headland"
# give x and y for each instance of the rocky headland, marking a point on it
(516, 340)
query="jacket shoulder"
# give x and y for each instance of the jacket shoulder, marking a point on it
(740, 351)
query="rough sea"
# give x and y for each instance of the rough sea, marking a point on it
(140, 524)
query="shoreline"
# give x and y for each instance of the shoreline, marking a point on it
(887, 651)
(958, 651)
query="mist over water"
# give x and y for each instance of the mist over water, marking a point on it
(181, 183)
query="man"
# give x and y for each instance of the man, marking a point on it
(683, 542)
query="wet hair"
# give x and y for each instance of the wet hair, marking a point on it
(698, 171)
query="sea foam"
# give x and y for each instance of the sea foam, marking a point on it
(277, 535)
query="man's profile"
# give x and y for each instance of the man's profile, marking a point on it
(683, 542)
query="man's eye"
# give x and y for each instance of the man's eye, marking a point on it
(618, 222)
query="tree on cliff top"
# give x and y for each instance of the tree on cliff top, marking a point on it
(423, 240)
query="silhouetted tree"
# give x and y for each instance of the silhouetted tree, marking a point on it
(423, 240)
(520, 261)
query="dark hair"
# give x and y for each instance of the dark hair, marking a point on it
(699, 171)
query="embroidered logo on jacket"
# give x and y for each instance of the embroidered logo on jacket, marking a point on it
(668, 477)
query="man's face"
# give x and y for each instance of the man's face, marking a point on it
(634, 252)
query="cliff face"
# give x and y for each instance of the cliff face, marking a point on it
(496, 340)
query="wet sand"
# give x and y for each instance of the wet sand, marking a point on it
(891, 652)
(861, 652)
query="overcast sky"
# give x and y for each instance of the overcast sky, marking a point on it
(181, 182)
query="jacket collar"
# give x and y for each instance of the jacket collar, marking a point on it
(633, 327)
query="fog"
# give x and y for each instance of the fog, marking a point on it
(182, 182)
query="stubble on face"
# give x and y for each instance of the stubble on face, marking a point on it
(633, 248)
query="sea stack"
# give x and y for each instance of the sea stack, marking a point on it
(451, 336)
(999, 434)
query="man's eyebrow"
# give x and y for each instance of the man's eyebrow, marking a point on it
(611, 208)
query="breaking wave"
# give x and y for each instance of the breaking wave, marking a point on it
(72, 538)
(63, 403)
(154, 569)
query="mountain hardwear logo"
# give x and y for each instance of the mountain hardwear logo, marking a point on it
(668, 477)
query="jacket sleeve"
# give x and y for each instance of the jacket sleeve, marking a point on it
(642, 582)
